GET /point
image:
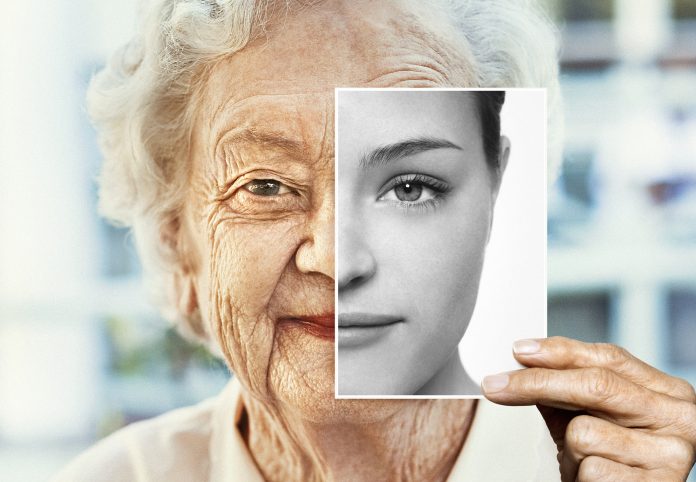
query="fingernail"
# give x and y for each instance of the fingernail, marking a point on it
(495, 383)
(526, 347)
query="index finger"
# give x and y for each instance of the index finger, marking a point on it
(600, 392)
(564, 353)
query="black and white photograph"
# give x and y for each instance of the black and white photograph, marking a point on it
(441, 237)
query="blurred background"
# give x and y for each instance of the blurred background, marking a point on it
(82, 353)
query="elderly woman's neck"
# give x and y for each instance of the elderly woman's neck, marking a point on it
(419, 440)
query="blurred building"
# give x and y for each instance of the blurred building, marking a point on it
(622, 215)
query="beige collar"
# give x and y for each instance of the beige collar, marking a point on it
(503, 444)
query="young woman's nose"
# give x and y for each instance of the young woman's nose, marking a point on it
(356, 264)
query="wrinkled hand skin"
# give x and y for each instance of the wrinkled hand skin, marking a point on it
(612, 416)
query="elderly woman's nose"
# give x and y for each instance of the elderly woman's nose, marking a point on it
(316, 253)
(356, 263)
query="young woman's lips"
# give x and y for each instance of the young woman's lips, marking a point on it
(355, 329)
(321, 326)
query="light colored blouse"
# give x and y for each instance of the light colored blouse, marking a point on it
(202, 443)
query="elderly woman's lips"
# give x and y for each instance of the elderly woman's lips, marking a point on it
(321, 326)
(356, 329)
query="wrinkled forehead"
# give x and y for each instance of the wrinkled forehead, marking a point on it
(285, 79)
(292, 123)
(347, 44)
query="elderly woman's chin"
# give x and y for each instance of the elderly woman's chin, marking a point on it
(301, 381)
(295, 371)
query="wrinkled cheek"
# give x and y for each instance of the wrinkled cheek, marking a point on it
(246, 262)
(245, 339)
(301, 368)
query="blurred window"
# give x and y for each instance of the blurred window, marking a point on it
(583, 316)
(684, 9)
(681, 327)
(584, 10)
(576, 177)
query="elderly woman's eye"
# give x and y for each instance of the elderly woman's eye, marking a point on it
(267, 187)
(413, 189)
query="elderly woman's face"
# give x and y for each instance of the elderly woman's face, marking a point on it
(415, 198)
(260, 220)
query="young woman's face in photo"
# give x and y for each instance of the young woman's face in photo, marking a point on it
(415, 200)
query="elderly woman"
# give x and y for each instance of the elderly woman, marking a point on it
(217, 129)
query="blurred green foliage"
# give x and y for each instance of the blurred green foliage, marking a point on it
(139, 348)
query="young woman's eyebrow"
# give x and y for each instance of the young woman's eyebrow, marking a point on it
(393, 152)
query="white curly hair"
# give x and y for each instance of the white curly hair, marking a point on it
(141, 103)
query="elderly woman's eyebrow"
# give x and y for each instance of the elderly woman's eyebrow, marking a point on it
(398, 150)
(269, 139)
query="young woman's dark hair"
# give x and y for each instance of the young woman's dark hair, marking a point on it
(489, 105)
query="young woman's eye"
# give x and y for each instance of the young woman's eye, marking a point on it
(409, 192)
(413, 189)
(267, 187)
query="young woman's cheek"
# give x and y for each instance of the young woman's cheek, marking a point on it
(438, 253)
